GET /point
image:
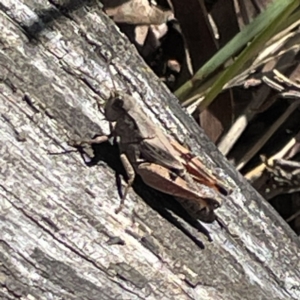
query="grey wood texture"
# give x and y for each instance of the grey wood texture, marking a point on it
(59, 235)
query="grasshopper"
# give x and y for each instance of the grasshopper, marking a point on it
(162, 163)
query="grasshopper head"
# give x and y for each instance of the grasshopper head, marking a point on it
(117, 106)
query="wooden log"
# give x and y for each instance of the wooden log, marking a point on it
(59, 236)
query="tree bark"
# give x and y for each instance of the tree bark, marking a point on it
(59, 236)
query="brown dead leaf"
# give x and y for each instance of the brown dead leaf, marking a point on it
(141, 32)
(139, 12)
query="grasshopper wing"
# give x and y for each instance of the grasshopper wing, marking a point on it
(197, 169)
(155, 146)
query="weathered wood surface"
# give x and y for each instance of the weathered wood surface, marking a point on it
(59, 236)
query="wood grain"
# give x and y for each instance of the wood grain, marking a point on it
(59, 235)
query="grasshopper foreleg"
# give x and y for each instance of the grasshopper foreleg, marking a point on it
(97, 140)
(131, 175)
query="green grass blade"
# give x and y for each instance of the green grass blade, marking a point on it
(263, 28)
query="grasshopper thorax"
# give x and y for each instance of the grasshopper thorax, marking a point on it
(117, 106)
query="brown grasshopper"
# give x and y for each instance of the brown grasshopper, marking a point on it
(162, 163)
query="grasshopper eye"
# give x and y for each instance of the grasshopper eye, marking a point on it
(114, 109)
(118, 103)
